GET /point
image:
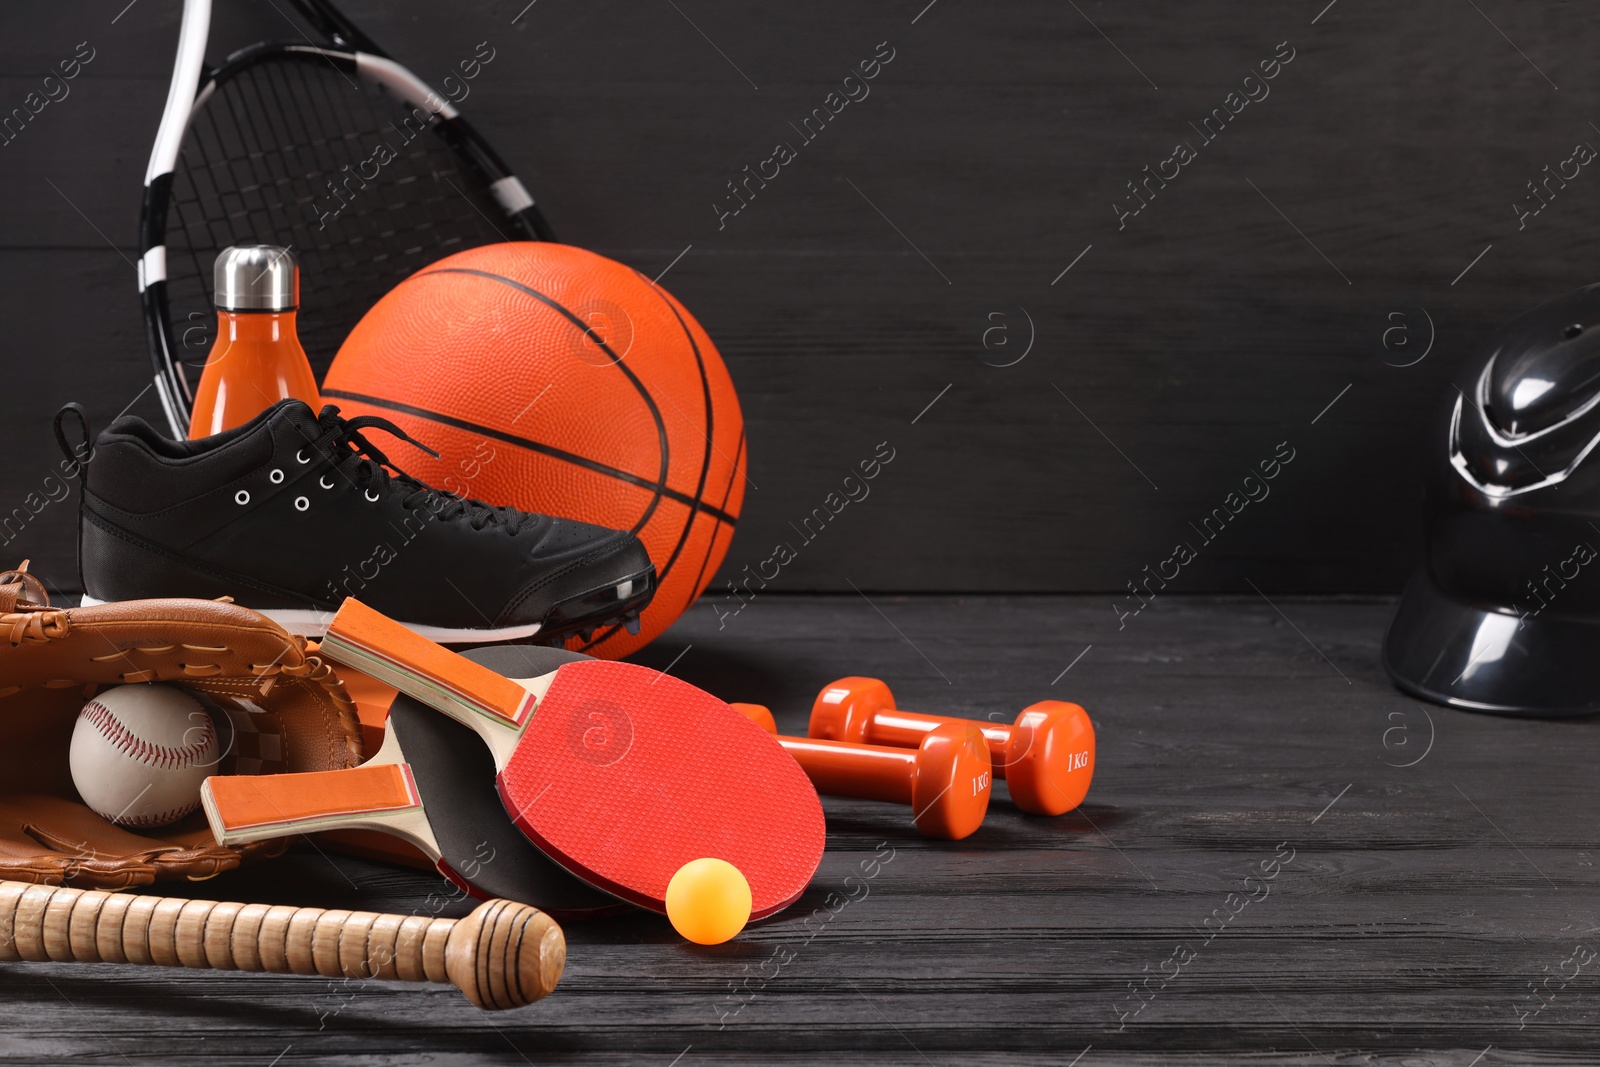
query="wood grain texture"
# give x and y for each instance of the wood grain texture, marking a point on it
(861, 284)
(1420, 903)
(501, 955)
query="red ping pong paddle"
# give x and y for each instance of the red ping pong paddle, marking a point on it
(432, 784)
(619, 773)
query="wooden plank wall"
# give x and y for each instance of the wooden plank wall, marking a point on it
(931, 221)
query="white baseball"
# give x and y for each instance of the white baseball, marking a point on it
(140, 752)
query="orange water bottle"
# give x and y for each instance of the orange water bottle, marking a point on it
(257, 359)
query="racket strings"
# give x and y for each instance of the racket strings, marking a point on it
(358, 184)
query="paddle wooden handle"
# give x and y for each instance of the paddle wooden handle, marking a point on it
(503, 955)
(370, 641)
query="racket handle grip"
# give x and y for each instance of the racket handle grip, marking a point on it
(256, 807)
(472, 694)
(502, 955)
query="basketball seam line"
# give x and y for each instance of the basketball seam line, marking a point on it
(705, 463)
(644, 394)
(675, 495)
(710, 428)
(737, 452)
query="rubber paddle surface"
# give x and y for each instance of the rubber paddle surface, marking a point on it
(479, 848)
(625, 774)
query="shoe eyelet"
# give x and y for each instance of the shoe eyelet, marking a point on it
(301, 504)
(276, 477)
(241, 498)
(325, 482)
(301, 457)
(370, 495)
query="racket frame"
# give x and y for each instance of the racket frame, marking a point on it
(351, 52)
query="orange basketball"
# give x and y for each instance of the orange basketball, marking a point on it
(558, 381)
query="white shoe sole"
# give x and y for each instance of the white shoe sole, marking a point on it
(310, 623)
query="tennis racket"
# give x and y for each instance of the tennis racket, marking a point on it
(327, 146)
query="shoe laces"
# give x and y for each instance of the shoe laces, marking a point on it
(375, 473)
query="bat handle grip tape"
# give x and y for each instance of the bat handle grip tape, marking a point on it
(502, 955)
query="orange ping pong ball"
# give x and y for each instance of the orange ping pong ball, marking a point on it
(708, 901)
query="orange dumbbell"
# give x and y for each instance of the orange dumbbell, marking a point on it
(946, 779)
(1046, 756)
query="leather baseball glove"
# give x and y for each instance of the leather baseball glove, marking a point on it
(287, 711)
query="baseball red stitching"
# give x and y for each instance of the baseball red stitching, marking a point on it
(160, 818)
(112, 729)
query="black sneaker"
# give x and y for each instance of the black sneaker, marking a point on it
(292, 512)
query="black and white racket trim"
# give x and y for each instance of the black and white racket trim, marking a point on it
(193, 88)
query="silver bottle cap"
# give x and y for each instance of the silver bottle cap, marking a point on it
(256, 278)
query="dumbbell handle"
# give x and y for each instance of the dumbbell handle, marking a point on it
(869, 772)
(946, 779)
(843, 769)
(502, 955)
(1046, 756)
(906, 729)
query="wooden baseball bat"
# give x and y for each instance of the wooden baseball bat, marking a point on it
(503, 955)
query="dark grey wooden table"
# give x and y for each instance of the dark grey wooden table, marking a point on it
(1282, 860)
